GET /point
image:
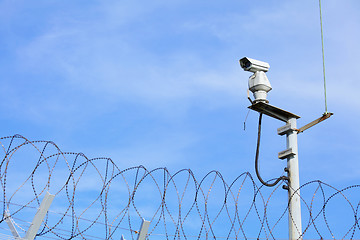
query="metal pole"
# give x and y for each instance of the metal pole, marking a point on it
(143, 229)
(291, 154)
(39, 216)
(11, 225)
(295, 230)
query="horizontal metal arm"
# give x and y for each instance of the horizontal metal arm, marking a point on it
(313, 123)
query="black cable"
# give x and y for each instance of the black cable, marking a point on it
(257, 160)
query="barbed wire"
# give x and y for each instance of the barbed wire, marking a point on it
(95, 199)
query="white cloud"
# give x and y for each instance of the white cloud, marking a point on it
(83, 61)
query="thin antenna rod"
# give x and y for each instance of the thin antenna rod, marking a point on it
(323, 55)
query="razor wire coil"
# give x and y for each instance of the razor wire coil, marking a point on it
(96, 199)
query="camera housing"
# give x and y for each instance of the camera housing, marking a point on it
(259, 84)
(252, 65)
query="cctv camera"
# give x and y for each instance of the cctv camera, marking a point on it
(258, 83)
(253, 65)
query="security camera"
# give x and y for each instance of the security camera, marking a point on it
(259, 84)
(253, 65)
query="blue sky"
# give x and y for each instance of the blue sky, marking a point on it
(158, 83)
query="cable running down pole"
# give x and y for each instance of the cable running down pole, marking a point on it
(257, 161)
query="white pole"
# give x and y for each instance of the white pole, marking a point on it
(143, 229)
(39, 216)
(295, 229)
(11, 225)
